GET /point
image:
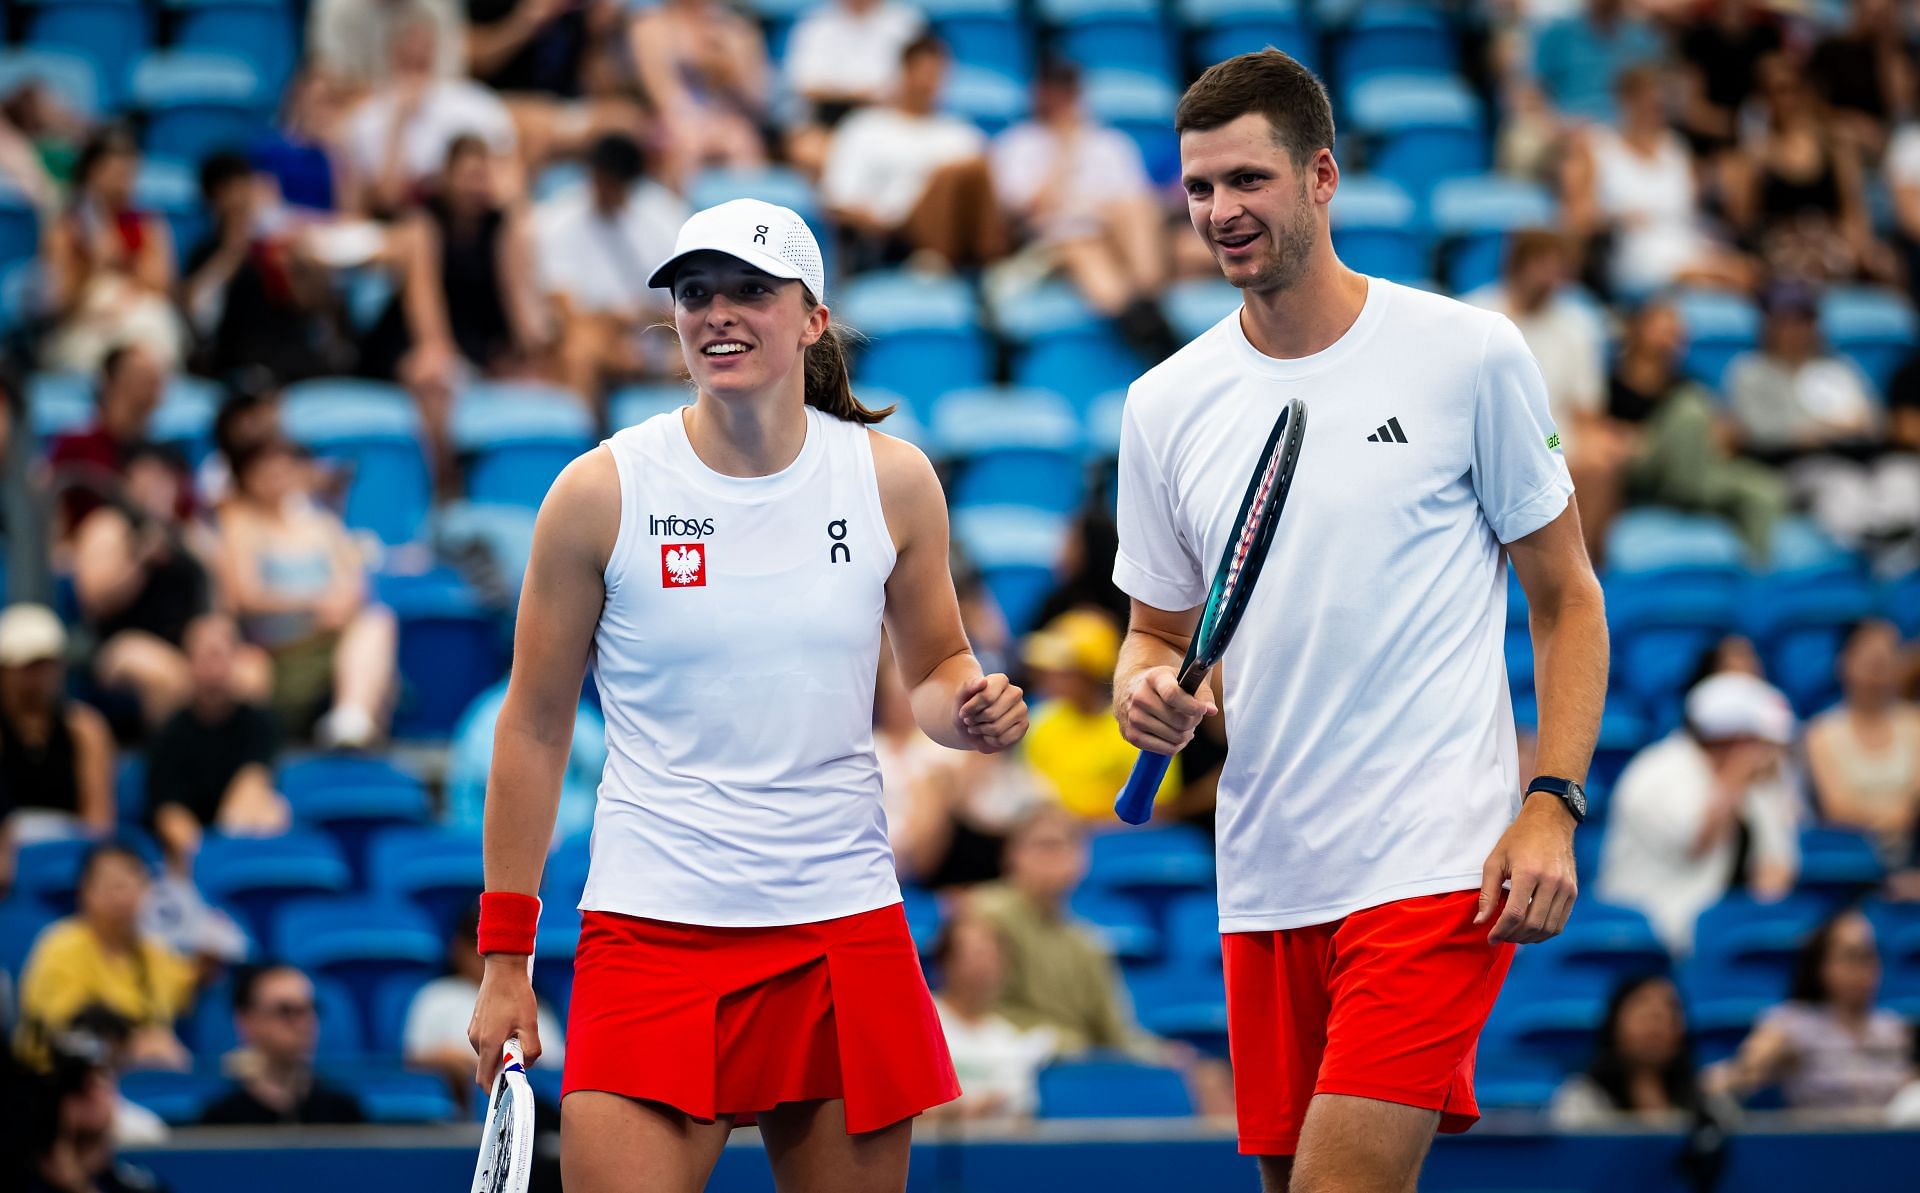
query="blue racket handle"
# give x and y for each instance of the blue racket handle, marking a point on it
(1135, 805)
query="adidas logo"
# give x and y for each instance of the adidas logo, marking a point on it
(1391, 433)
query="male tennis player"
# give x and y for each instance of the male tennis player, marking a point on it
(1369, 811)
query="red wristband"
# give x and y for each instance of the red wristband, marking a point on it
(507, 922)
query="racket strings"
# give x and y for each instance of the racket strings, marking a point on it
(1251, 531)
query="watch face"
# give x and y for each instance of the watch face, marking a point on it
(1577, 796)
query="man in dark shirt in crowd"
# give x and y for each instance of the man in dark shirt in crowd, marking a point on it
(1903, 406)
(88, 465)
(280, 1032)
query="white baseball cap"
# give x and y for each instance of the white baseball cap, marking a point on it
(769, 237)
(1734, 704)
(30, 634)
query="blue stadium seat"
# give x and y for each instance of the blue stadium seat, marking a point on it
(171, 189)
(1102, 425)
(1719, 1025)
(1184, 1003)
(21, 922)
(212, 1032)
(1746, 948)
(904, 423)
(59, 403)
(985, 34)
(1390, 39)
(262, 32)
(1658, 540)
(198, 104)
(1502, 1081)
(566, 871)
(922, 334)
(1193, 931)
(373, 429)
(70, 77)
(1663, 620)
(252, 876)
(184, 420)
(20, 282)
(352, 797)
(109, 34)
(397, 1095)
(1839, 863)
(516, 437)
(452, 648)
(1141, 106)
(1128, 35)
(1603, 944)
(1224, 29)
(1719, 327)
(1376, 231)
(1122, 925)
(1624, 731)
(436, 869)
(178, 1098)
(1062, 344)
(1015, 548)
(924, 916)
(359, 942)
(1875, 328)
(985, 95)
(1900, 602)
(472, 759)
(1475, 215)
(632, 405)
(1195, 305)
(1424, 129)
(774, 184)
(1016, 447)
(1112, 1088)
(1167, 859)
(553, 950)
(392, 998)
(1798, 621)
(1552, 1029)
(1799, 547)
(46, 873)
(19, 239)
(1519, 653)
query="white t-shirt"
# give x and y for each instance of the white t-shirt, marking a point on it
(995, 1057)
(1373, 754)
(1647, 860)
(1653, 204)
(1568, 343)
(1903, 157)
(880, 159)
(449, 109)
(437, 1019)
(1101, 165)
(837, 51)
(599, 262)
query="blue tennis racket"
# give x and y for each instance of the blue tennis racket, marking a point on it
(1240, 565)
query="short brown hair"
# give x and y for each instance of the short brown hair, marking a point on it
(1268, 82)
(1530, 244)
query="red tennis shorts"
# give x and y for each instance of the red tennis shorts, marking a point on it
(1387, 1004)
(730, 1021)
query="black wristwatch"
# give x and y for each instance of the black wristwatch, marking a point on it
(1566, 791)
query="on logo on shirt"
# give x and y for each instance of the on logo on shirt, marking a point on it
(683, 565)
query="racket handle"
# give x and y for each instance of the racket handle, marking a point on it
(1135, 805)
(510, 1055)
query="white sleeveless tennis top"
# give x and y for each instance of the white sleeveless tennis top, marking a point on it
(735, 658)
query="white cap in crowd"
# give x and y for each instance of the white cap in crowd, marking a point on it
(1733, 704)
(769, 237)
(30, 634)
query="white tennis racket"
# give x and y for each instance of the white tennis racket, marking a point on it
(506, 1143)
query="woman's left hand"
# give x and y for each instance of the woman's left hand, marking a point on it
(991, 714)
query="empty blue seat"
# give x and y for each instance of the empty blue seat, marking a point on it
(1224, 29)
(1719, 1025)
(1064, 345)
(1128, 35)
(1112, 1088)
(359, 942)
(21, 922)
(372, 429)
(436, 869)
(985, 34)
(19, 243)
(517, 437)
(1102, 426)
(262, 32)
(1557, 1030)
(197, 103)
(1122, 925)
(184, 420)
(1016, 447)
(1141, 106)
(774, 184)
(1015, 548)
(398, 1095)
(1798, 621)
(1423, 129)
(109, 34)
(472, 759)
(180, 1099)
(1195, 305)
(352, 796)
(1507, 1082)
(1603, 944)
(1838, 862)
(632, 405)
(59, 403)
(1392, 38)
(925, 917)
(1476, 214)
(1653, 540)
(1875, 328)
(565, 875)
(1375, 230)
(985, 94)
(1193, 931)
(1900, 603)
(1182, 1003)
(47, 873)
(1719, 327)
(452, 648)
(253, 876)
(73, 79)
(1665, 619)
(553, 950)
(392, 999)
(1746, 948)
(922, 334)
(171, 189)
(1169, 858)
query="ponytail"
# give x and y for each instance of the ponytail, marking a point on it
(828, 384)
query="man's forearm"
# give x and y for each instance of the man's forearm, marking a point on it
(1141, 651)
(1570, 675)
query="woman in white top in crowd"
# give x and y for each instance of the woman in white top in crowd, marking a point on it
(727, 569)
(1865, 753)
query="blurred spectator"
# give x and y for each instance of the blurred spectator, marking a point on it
(401, 136)
(1903, 406)
(56, 754)
(1642, 1070)
(1577, 59)
(1673, 839)
(1864, 754)
(537, 45)
(704, 68)
(435, 1036)
(1792, 396)
(254, 298)
(105, 1037)
(1902, 175)
(66, 1124)
(301, 151)
(1080, 193)
(108, 265)
(1074, 742)
(594, 244)
(1563, 334)
(279, 1030)
(468, 297)
(89, 466)
(908, 178)
(1058, 974)
(299, 586)
(354, 40)
(1634, 184)
(211, 765)
(1721, 45)
(921, 784)
(1862, 72)
(1085, 570)
(1829, 1048)
(37, 132)
(1796, 191)
(99, 956)
(1732, 654)
(245, 420)
(1679, 442)
(980, 615)
(998, 1063)
(845, 54)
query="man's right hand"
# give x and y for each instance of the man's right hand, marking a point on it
(506, 1007)
(1155, 714)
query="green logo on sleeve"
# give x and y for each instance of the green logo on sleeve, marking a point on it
(1553, 442)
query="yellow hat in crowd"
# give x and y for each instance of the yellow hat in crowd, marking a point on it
(1078, 640)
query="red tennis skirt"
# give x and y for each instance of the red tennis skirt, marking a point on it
(731, 1021)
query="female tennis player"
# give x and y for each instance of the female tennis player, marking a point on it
(727, 568)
